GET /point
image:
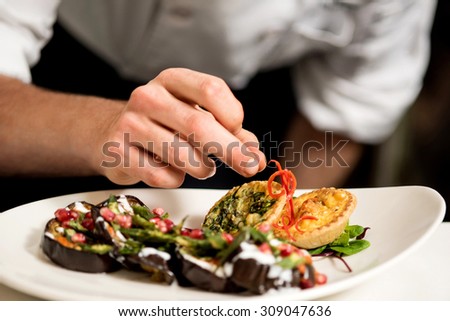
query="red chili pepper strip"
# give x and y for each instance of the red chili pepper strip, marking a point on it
(289, 184)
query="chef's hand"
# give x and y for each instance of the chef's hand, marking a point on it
(171, 125)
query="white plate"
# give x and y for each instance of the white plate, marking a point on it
(400, 219)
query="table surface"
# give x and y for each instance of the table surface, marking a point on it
(423, 275)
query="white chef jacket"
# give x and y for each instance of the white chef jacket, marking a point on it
(357, 64)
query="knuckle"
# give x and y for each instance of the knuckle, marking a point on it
(198, 122)
(127, 124)
(138, 94)
(213, 87)
(167, 75)
(144, 97)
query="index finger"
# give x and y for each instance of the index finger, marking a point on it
(210, 92)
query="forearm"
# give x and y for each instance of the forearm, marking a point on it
(154, 137)
(49, 133)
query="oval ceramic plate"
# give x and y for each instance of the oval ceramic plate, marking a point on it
(400, 220)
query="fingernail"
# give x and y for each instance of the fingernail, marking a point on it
(211, 174)
(250, 167)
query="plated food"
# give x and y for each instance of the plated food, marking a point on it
(247, 205)
(307, 221)
(69, 240)
(246, 242)
(126, 233)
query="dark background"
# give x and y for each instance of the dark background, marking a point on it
(424, 145)
(417, 154)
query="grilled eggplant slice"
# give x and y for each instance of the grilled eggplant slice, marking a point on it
(257, 271)
(199, 258)
(260, 268)
(245, 205)
(117, 212)
(254, 261)
(205, 273)
(151, 260)
(69, 241)
(263, 262)
(123, 232)
(142, 239)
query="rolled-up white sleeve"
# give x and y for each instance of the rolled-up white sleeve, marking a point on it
(363, 89)
(25, 27)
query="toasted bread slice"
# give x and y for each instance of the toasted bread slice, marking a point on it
(320, 215)
(245, 205)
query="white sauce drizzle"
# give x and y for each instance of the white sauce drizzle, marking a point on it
(79, 207)
(119, 235)
(49, 235)
(251, 251)
(146, 251)
(218, 271)
(124, 205)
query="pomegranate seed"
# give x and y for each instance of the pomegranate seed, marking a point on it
(124, 221)
(186, 231)
(265, 248)
(169, 224)
(78, 238)
(196, 234)
(158, 211)
(162, 226)
(88, 223)
(74, 215)
(227, 237)
(88, 215)
(107, 214)
(286, 249)
(66, 224)
(306, 284)
(155, 220)
(62, 215)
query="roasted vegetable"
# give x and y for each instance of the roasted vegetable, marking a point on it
(245, 205)
(253, 261)
(204, 273)
(123, 232)
(69, 241)
(142, 238)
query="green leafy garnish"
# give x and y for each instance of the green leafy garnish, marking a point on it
(348, 243)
